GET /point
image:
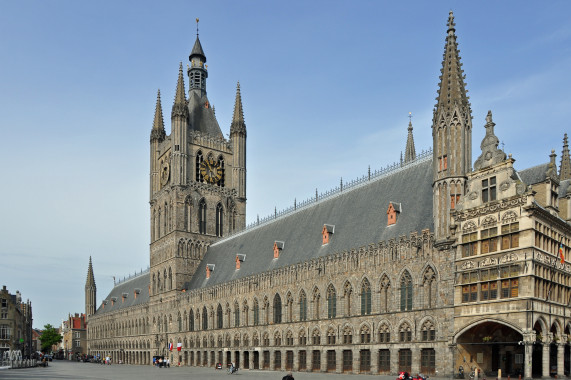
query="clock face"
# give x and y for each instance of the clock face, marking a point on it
(165, 173)
(211, 170)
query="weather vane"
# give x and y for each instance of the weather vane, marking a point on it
(197, 26)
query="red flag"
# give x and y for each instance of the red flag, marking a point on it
(561, 256)
(178, 346)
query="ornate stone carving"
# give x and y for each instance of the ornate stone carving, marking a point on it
(505, 185)
(508, 258)
(489, 261)
(489, 221)
(469, 227)
(509, 217)
(491, 155)
(468, 265)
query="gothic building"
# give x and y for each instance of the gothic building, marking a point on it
(469, 267)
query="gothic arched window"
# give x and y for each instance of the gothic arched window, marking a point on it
(302, 306)
(236, 314)
(277, 309)
(219, 219)
(405, 332)
(202, 216)
(428, 331)
(219, 317)
(199, 159)
(191, 321)
(256, 313)
(365, 297)
(406, 292)
(331, 302)
(204, 318)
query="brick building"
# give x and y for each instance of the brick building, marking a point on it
(15, 323)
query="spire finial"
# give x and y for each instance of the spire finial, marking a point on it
(238, 123)
(197, 27)
(565, 168)
(410, 151)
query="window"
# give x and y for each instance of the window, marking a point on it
(191, 321)
(442, 163)
(256, 313)
(77, 343)
(77, 334)
(316, 337)
(384, 360)
(454, 195)
(427, 360)
(4, 314)
(347, 360)
(364, 361)
(219, 219)
(204, 318)
(365, 334)
(277, 309)
(365, 298)
(489, 240)
(331, 302)
(510, 235)
(202, 217)
(489, 189)
(428, 332)
(470, 293)
(4, 302)
(510, 288)
(347, 335)
(406, 292)
(5, 332)
(469, 244)
(236, 315)
(303, 307)
(489, 291)
(289, 339)
(405, 333)
(384, 334)
(331, 336)
(302, 338)
(405, 360)
(219, 317)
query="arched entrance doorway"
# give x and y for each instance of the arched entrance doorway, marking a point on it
(490, 346)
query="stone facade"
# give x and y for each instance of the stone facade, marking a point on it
(425, 267)
(15, 323)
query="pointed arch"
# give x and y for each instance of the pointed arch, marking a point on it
(277, 309)
(219, 317)
(385, 286)
(219, 219)
(365, 297)
(199, 159)
(202, 216)
(347, 295)
(429, 284)
(256, 312)
(331, 302)
(406, 291)
(302, 305)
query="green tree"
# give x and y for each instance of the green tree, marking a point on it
(50, 336)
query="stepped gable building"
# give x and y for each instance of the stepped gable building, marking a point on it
(426, 266)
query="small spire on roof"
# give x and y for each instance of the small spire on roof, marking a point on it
(238, 124)
(491, 155)
(410, 151)
(158, 131)
(197, 27)
(565, 168)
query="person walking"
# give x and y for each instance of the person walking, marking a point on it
(289, 376)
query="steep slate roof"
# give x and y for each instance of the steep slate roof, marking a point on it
(140, 282)
(200, 118)
(359, 216)
(535, 174)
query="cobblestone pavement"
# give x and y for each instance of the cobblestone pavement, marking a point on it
(73, 370)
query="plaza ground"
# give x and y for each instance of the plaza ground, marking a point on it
(60, 369)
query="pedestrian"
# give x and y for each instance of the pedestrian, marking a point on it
(168, 363)
(288, 376)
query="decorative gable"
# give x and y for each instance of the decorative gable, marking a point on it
(209, 269)
(392, 213)
(239, 258)
(278, 246)
(326, 232)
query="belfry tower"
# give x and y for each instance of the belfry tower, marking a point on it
(198, 180)
(90, 291)
(452, 137)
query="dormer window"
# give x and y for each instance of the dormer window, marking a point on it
(137, 291)
(278, 246)
(489, 189)
(326, 232)
(239, 259)
(123, 296)
(209, 269)
(113, 300)
(392, 213)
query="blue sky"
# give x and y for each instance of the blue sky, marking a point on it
(326, 86)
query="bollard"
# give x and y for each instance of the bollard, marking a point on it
(499, 374)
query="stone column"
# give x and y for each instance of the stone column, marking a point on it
(284, 359)
(545, 361)
(356, 360)
(560, 360)
(415, 365)
(374, 360)
(338, 360)
(251, 364)
(394, 360)
(323, 360)
(272, 360)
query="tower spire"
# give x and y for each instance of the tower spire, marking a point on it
(238, 124)
(158, 130)
(409, 152)
(179, 107)
(565, 168)
(90, 291)
(452, 137)
(452, 88)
